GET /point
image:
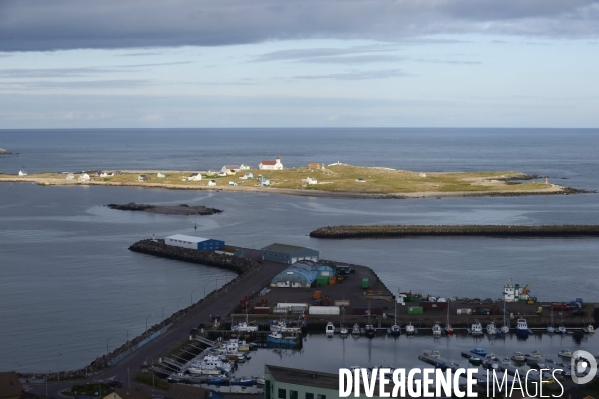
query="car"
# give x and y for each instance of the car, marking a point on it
(115, 384)
(216, 317)
(201, 326)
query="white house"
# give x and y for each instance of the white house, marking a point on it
(70, 176)
(84, 177)
(212, 183)
(106, 174)
(222, 174)
(271, 165)
(21, 173)
(231, 168)
(244, 167)
(160, 175)
(194, 177)
(310, 180)
(232, 183)
(143, 178)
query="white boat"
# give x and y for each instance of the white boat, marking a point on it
(330, 328)
(491, 329)
(435, 354)
(343, 331)
(565, 353)
(448, 327)
(410, 330)
(536, 354)
(505, 329)
(506, 360)
(355, 329)
(590, 329)
(281, 326)
(477, 328)
(561, 329)
(209, 365)
(235, 345)
(244, 327)
(437, 329)
(518, 357)
(550, 328)
(395, 330)
(522, 327)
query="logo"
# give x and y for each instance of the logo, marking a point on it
(580, 363)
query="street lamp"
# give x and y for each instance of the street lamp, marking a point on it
(178, 303)
(107, 352)
(147, 322)
(209, 282)
(163, 312)
(128, 336)
(192, 295)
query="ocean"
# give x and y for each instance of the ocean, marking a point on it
(69, 285)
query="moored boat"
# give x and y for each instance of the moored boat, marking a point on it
(278, 338)
(355, 329)
(479, 352)
(369, 330)
(476, 329)
(491, 329)
(330, 329)
(410, 330)
(565, 353)
(518, 357)
(436, 329)
(395, 330)
(522, 327)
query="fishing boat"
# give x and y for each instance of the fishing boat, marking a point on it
(565, 353)
(561, 329)
(491, 329)
(410, 330)
(518, 357)
(477, 328)
(436, 329)
(448, 327)
(506, 360)
(217, 381)
(209, 365)
(475, 361)
(244, 326)
(330, 329)
(244, 382)
(278, 338)
(355, 329)
(409, 297)
(479, 352)
(282, 327)
(522, 327)
(505, 329)
(369, 330)
(536, 354)
(550, 328)
(343, 331)
(588, 329)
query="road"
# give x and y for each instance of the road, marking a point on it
(221, 304)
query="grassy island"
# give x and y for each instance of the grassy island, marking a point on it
(334, 180)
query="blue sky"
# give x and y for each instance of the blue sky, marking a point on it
(338, 63)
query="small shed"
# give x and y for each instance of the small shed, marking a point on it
(143, 178)
(194, 177)
(160, 175)
(84, 177)
(70, 176)
(21, 173)
(212, 183)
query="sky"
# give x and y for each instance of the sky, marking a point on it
(299, 63)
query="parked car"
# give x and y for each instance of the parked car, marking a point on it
(115, 384)
(216, 317)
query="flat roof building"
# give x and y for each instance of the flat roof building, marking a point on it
(192, 242)
(289, 254)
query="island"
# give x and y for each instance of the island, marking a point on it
(399, 231)
(182, 210)
(337, 180)
(5, 152)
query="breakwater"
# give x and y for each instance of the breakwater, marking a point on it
(380, 231)
(183, 209)
(208, 258)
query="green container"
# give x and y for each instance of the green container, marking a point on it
(415, 310)
(365, 283)
(322, 280)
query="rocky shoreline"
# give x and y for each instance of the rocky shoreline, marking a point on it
(182, 210)
(399, 231)
(5, 152)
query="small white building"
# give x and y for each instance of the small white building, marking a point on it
(360, 180)
(212, 183)
(21, 173)
(231, 169)
(310, 180)
(83, 177)
(70, 176)
(106, 174)
(271, 165)
(160, 175)
(232, 183)
(194, 177)
(244, 167)
(422, 174)
(192, 242)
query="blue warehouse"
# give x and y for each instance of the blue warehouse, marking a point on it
(192, 242)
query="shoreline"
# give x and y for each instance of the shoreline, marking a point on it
(551, 190)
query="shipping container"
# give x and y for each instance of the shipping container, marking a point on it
(322, 281)
(318, 302)
(291, 304)
(261, 310)
(364, 310)
(464, 311)
(297, 309)
(324, 310)
(317, 294)
(326, 301)
(365, 283)
(344, 303)
(332, 280)
(264, 302)
(415, 310)
(279, 310)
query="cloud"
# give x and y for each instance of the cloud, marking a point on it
(40, 25)
(80, 84)
(140, 54)
(77, 72)
(356, 75)
(452, 62)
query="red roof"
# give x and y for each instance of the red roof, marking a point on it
(268, 162)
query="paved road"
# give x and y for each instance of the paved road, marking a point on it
(177, 334)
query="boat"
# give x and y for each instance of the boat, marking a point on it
(522, 327)
(437, 329)
(477, 328)
(369, 330)
(244, 326)
(395, 329)
(409, 297)
(278, 338)
(491, 329)
(536, 354)
(281, 326)
(561, 329)
(589, 329)
(343, 331)
(475, 361)
(506, 360)
(505, 329)
(448, 327)
(244, 382)
(217, 381)
(209, 365)
(518, 357)
(435, 354)
(550, 328)
(330, 329)
(479, 352)
(260, 381)
(355, 329)
(410, 330)
(565, 353)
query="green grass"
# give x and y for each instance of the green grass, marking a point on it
(146, 378)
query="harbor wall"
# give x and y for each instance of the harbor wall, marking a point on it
(132, 349)
(375, 231)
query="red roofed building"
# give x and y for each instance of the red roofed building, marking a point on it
(271, 165)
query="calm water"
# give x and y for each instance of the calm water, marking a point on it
(69, 284)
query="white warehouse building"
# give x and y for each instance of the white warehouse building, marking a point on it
(192, 242)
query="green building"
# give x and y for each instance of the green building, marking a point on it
(288, 383)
